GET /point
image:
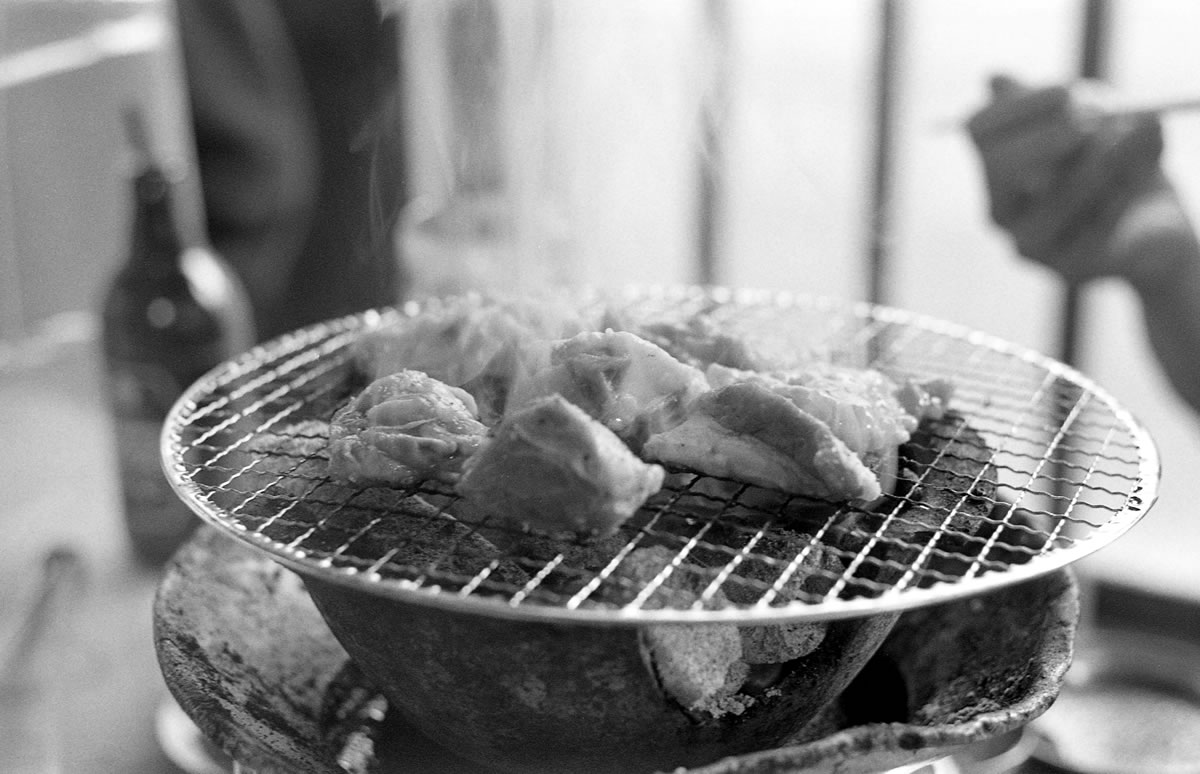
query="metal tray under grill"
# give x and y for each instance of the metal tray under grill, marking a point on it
(1060, 470)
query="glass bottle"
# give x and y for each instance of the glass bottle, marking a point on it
(172, 312)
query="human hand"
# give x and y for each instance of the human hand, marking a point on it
(1079, 190)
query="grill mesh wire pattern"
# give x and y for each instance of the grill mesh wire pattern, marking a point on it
(1065, 471)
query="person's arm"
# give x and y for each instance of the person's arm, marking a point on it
(1166, 276)
(1084, 194)
(255, 141)
(297, 115)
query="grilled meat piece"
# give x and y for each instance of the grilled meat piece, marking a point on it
(749, 433)
(475, 342)
(633, 387)
(699, 341)
(403, 429)
(858, 404)
(551, 467)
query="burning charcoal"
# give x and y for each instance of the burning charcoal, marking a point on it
(699, 666)
(780, 643)
(758, 572)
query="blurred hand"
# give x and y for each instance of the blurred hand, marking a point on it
(1078, 190)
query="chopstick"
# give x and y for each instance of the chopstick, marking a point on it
(1164, 107)
(1158, 108)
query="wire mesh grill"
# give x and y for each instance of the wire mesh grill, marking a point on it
(1035, 468)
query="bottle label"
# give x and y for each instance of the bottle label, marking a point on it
(142, 390)
(155, 517)
(147, 491)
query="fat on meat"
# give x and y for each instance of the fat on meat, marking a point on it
(747, 432)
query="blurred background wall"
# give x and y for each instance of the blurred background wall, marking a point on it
(793, 166)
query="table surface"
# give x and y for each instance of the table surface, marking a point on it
(93, 684)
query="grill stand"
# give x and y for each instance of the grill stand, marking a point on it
(248, 658)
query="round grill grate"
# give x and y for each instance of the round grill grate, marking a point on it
(1035, 468)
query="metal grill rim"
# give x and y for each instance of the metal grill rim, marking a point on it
(1093, 478)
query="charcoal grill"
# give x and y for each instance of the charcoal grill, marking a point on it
(1065, 470)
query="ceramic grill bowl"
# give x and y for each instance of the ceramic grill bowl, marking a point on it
(551, 697)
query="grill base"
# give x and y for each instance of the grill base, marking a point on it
(245, 653)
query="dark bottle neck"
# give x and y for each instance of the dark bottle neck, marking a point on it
(155, 244)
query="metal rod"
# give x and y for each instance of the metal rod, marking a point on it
(1093, 64)
(711, 162)
(879, 232)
